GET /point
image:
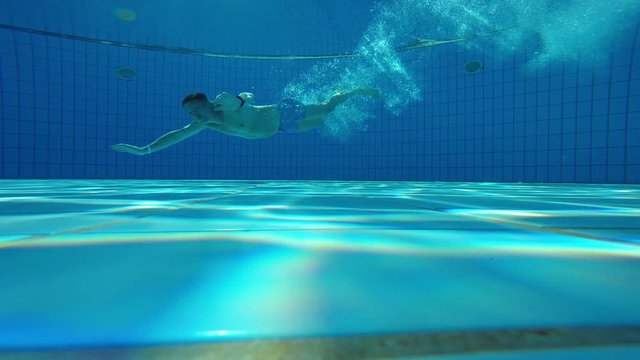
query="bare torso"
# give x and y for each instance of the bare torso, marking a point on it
(249, 122)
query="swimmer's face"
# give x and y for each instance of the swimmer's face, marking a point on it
(199, 109)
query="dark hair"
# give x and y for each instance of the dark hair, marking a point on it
(195, 96)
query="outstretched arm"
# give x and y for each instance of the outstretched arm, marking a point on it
(166, 140)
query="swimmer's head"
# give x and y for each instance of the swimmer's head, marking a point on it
(199, 97)
(199, 107)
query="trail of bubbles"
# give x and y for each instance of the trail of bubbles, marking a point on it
(558, 31)
(568, 30)
(378, 66)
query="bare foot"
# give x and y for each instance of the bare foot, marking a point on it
(131, 149)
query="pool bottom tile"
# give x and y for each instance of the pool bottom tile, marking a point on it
(612, 342)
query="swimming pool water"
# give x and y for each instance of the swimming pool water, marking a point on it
(131, 263)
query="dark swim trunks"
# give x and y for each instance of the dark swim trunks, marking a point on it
(291, 110)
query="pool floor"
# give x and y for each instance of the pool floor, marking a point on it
(319, 269)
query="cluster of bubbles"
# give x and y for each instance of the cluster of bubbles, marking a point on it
(555, 31)
(378, 65)
(324, 80)
(552, 31)
(582, 29)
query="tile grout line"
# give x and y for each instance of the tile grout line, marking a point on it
(522, 226)
(109, 224)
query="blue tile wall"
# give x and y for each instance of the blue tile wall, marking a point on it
(62, 106)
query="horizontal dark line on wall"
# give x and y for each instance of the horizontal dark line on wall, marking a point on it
(417, 44)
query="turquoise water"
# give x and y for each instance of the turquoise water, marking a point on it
(146, 262)
(556, 98)
(340, 243)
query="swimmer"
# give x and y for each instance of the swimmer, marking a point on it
(238, 116)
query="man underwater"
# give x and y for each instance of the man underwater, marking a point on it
(238, 116)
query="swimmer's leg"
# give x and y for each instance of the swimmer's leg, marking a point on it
(308, 123)
(322, 110)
